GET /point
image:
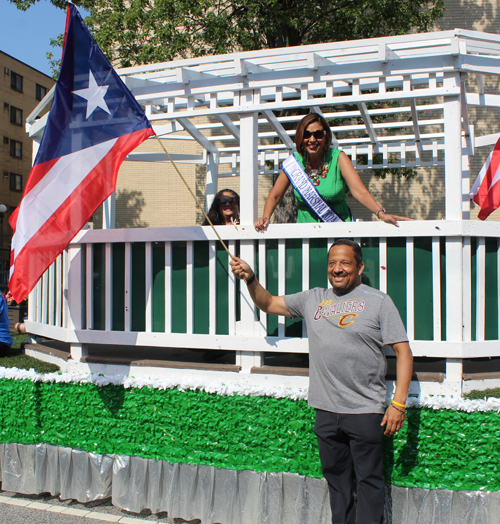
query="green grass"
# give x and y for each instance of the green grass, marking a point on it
(18, 339)
(477, 394)
(16, 359)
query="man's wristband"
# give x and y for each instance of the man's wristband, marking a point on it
(250, 280)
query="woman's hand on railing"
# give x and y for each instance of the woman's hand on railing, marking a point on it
(392, 219)
(261, 224)
(241, 269)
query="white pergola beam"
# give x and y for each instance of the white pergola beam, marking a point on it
(166, 129)
(280, 130)
(229, 125)
(465, 113)
(161, 157)
(46, 100)
(368, 123)
(243, 67)
(486, 140)
(185, 75)
(197, 135)
(385, 53)
(335, 142)
(416, 128)
(237, 107)
(315, 61)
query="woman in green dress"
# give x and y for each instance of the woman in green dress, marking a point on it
(331, 172)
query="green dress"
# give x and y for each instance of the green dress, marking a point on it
(332, 188)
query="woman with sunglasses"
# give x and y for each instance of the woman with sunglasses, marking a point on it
(225, 209)
(318, 168)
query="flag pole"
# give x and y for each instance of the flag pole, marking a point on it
(194, 196)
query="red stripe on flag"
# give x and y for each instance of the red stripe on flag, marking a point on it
(487, 196)
(490, 202)
(65, 223)
(68, 16)
(36, 174)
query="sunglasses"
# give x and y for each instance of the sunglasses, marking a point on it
(228, 200)
(318, 135)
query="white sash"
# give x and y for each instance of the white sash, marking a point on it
(304, 186)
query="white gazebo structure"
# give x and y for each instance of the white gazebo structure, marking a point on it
(392, 102)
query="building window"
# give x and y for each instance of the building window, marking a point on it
(16, 116)
(16, 182)
(16, 149)
(5, 139)
(40, 91)
(16, 82)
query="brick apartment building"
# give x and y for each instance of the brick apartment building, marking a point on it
(21, 89)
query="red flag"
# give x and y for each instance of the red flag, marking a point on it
(486, 189)
(93, 124)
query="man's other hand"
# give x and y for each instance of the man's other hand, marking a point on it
(394, 419)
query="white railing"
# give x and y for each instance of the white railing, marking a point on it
(62, 306)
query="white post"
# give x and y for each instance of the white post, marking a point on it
(248, 214)
(75, 293)
(109, 212)
(35, 145)
(248, 167)
(212, 179)
(454, 246)
(453, 150)
(465, 186)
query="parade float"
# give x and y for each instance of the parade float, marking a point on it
(233, 442)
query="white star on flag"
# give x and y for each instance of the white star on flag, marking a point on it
(94, 94)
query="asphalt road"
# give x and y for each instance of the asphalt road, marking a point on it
(45, 509)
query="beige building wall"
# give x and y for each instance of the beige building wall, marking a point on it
(152, 194)
(18, 98)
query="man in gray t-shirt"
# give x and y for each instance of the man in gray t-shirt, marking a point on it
(348, 326)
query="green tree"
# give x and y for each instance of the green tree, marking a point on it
(136, 32)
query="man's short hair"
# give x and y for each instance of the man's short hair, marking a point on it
(358, 254)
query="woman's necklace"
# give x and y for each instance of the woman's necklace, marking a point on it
(316, 174)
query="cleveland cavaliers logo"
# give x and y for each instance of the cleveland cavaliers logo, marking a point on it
(346, 310)
(347, 320)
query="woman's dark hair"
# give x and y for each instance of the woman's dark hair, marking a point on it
(302, 126)
(213, 212)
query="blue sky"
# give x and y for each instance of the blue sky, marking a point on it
(26, 35)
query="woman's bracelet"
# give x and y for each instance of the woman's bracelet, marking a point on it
(377, 213)
(265, 218)
(398, 404)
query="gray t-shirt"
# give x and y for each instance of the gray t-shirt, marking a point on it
(347, 333)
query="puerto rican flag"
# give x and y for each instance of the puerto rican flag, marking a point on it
(94, 123)
(486, 189)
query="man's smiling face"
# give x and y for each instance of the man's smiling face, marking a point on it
(344, 273)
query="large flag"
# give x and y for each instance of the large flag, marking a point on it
(486, 189)
(92, 126)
